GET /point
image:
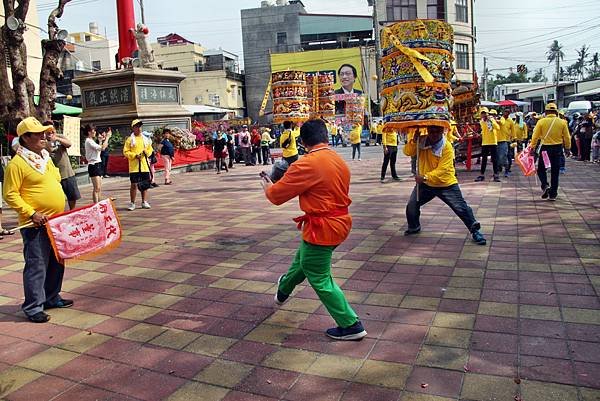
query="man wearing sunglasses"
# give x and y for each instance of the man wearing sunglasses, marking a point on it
(32, 187)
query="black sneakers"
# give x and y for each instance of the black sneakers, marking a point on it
(478, 238)
(412, 231)
(62, 303)
(546, 193)
(40, 317)
(280, 297)
(356, 332)
(479, 178)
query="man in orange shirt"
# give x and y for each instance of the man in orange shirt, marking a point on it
(321, 180)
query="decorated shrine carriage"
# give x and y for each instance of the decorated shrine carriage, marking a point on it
(465, 109)
(417, 69)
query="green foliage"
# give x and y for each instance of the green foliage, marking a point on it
(538, 76)
(116, 141)
(74, 162)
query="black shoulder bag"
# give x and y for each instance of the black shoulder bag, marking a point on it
(145, 184)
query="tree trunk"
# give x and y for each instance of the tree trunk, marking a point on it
(51, 71)
(16, 102)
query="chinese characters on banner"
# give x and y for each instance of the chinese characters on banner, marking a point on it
(89, 230)
(71, 130)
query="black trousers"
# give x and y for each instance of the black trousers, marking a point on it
(491, 150)
(231, 151)
(290, 159)
(265, 154)
(256, 154)
(586, 148)
(389, 157)
(104, 160)
(554, 153)
(451, 196)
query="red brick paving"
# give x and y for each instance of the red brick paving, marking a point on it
(531, 295)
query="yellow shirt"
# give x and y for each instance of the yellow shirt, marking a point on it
(355, 134)
(558, 135)
(390, 138)
(453, 135)
(27, 191)
(489, 136)
(521, 133)
(142, 145)
(291, 150)
(439, 171)
(507, 130)
(379, 129)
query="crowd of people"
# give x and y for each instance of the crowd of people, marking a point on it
(42, 166)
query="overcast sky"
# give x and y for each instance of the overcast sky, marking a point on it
(507, 34)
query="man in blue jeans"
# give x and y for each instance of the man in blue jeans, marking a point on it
(32, 188)
(436, 178)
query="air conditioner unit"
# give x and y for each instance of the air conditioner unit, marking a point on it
(215, 100)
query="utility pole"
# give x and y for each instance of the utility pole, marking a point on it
(377, 53)
(485, 75)
(557, 79)
(142, 11)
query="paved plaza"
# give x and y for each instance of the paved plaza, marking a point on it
(183, 310)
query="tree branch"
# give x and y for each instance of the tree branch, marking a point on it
(51, 71)
(56, 13)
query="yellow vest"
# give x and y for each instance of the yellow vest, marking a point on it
(489, 136)
(506, 132)
(439, 171)
(558, 135)
(27, 191)
(292, 149)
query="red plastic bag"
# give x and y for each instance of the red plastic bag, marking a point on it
(526, 162)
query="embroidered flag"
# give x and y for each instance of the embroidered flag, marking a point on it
(86, 231)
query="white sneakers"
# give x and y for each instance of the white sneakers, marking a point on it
(145, 205)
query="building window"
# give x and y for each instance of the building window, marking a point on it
(436, 9)
(399, 10)
(88, 38)
(462, 11)
(96, 65)
(281, 38)
(462, 56)
(198, 67)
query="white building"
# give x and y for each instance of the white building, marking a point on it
(458, 13)
(91, 51)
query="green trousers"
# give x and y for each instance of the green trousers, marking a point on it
(313, 262)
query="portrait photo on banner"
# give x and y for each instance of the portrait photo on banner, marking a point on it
(345, 65)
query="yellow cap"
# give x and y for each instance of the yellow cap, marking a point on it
(136, 122)
(484, 110)
(551, 107)
(493, 112)
(31, 124)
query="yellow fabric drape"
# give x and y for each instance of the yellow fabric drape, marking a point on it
(263, 106)
(413, 55)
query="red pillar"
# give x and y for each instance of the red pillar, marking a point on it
(126, 21)
(469, 152)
